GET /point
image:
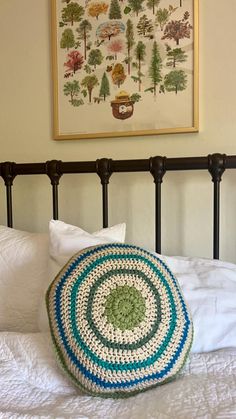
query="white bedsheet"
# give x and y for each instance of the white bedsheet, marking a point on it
(32, 386)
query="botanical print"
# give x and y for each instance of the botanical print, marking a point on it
(124, 67)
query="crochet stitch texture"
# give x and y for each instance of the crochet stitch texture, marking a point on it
(118, 320)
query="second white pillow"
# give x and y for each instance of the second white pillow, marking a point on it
(64, 241)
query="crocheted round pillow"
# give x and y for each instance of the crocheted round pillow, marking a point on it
(118, 320)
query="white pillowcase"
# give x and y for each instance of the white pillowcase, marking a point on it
(23, 268)
(66, 240)
(209, 288)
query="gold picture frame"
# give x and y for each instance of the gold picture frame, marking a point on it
(124, 68)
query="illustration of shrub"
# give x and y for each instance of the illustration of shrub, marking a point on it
(155, 68)
(115, 47)
(73, 12)
(67, 39)
(89, 82)
(115, 12)
(83, 33)
(107, 30)
(96, 9)
(175, 81)
(135, 97)
(95, 57)
(105, 87)
(87, 69)
(118, 74)
(75, 61)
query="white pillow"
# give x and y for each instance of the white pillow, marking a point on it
(23, 268)
(66, 240)
(209, 288)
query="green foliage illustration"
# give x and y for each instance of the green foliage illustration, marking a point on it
(155, 67)
(89, 82)
(145, 26)
(152, 4)
(73, 12)
(105, 87)
(72, 89)
(95, 57)
(115, 11)
(140, 53)
(136, 6)
(83, 33)
(129, 40)
(67, 39)
(175, 81)
(175, 56)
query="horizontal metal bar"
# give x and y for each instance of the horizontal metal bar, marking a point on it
(140, 165)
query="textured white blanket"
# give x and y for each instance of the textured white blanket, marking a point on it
(32, 386)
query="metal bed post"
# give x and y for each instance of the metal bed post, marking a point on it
(8, 175)
(103, 169)
(54, 172)
(157, 167)
(216, 167)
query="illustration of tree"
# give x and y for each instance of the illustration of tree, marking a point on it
(145, 26)
(89, 82)
(115, 47)
(75, 61)
(140, 52)
(163, 15)
(67, 39)
(177, 29)
(175, 81)
(155, 67)
(114, 12)
(118, 74)
(174, 56)
(96, 9)
(72, 89)
(151, 4)
(87, 69)
(109, 29)
(95, 57)
(73, 12)
(83, 33)
(129, 40)
(136, 6)
(105, 87)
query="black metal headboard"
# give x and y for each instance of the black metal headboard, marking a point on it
(216, 164)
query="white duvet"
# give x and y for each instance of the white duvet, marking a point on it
(32, 386)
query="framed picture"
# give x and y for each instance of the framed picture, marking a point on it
(124, 67)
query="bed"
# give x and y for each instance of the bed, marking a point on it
(31, 383)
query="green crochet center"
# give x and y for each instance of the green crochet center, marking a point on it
(125, 307)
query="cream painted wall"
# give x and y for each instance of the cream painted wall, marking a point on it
(26, 125)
